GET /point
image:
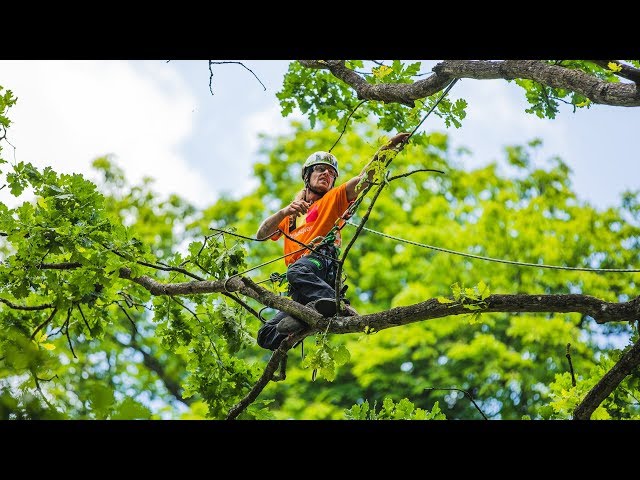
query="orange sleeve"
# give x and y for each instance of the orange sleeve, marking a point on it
(281, 228)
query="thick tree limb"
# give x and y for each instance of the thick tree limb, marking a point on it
(404, 93)
(608, 383)
(598, 91)
(242, 285)
(600, 310)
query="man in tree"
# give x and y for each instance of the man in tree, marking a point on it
(308, 219)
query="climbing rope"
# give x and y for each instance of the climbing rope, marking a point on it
(330, 237)
(498, 260)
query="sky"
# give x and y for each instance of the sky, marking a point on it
(159, 119)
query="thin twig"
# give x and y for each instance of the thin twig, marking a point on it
(346, 123)
(159, 266)
(67, 332)
(244, 305)
(466, 393)
(177, 270)
(211, 62)
(37, 382)
(83, 318)
(127, 314)
(568, 355)
(33, 335)
(395, 177)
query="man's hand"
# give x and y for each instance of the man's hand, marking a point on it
(297, 206)
(395, 141)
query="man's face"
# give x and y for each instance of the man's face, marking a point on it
(322, 177)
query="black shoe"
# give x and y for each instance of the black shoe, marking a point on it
(290, 325)
(324, 306)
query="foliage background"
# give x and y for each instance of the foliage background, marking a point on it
(115, 352)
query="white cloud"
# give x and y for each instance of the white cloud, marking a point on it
(496, 117)
(70, 112)
(268, 121)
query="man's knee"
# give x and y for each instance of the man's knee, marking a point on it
(268, 337)
(296, 270)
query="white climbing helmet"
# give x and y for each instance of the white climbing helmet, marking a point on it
(318, 158)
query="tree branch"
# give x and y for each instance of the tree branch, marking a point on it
(211, 62)
(277, 357)
(573, 375)
(628, 72)
(608, 383)
(243, 285)
(598, 91)
(600, 310)
(25, 307)
(53, 313)
(395, 177)
(244, 305)
(59, 266)
(404, 93)
(66, 332)
(467, 394)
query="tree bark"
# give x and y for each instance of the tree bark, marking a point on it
(598, 91)
(600, 310)
(608, 383)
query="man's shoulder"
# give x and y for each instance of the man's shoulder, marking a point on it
(335, 192)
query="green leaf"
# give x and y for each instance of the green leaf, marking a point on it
(600, 413)
(341, 355)
(102, 398)
(444, 300)
(129, 409)
(457, 291)
(483, 290)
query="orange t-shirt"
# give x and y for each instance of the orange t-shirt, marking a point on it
(321, 216)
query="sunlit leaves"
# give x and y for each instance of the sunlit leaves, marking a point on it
(381, 72)
(614, 67)
(325, 358)
(469, 298)
(403, 410)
